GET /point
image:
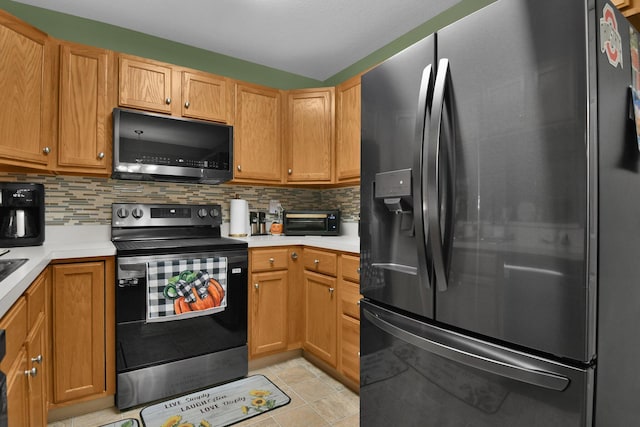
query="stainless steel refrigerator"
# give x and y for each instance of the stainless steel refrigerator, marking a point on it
(500, 223)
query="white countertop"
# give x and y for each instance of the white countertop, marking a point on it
(75, 241)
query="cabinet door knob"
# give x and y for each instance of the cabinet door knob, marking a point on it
(46, 150)
(186, 104)
(239, 168)
(31, 372)
(257, 286)
(316, 261)
(271, 260)
(167, 101)
(331, 291)
(290, 171)
(294, 255)
(101, 155)
(37, 359)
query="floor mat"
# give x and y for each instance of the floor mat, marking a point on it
(127, 422)
(219, 406)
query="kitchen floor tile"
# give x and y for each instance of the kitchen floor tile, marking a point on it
(316, 400)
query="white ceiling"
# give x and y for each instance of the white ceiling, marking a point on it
(312, 38)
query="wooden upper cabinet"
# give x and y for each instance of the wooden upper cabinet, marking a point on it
(257, 134)
(145, 84)
(310, 141)
(84, 112)
(347, 157)
(151, 85)
(26, 84)
(204, 96)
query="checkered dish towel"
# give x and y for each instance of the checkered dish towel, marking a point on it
(172, 287)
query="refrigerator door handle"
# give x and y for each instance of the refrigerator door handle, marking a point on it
(425, 98)
(436, 170)
(509, 369)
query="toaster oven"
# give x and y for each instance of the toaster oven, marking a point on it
(311, 223)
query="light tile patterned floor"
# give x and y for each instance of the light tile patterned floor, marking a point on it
(316, 400)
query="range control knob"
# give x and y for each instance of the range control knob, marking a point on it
(122, 213)
(137, 213)
(214, 212)
(202, 212)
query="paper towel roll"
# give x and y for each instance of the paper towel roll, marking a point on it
(239, 222)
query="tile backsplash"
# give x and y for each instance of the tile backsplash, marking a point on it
(73, 200)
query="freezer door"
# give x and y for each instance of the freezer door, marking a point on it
(515, 117)
(417, 374)
(395, 101)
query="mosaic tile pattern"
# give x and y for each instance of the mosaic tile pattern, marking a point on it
(74, 200)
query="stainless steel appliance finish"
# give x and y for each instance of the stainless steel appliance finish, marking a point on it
(483, 230)
(311, 222)
(158, 360)
(21, 214)
(157, 147)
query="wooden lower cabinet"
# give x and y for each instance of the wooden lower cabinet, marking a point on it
(26, 360)
(273, 301)
(321, 311)
(268, 312)
(349, 313)
(83, 328)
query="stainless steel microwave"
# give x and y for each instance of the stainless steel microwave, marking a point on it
(311, 223)
(156, 147)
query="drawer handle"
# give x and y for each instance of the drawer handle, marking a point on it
(271, 260)
(316, 261)
(331, 291)
(257, 286)
(358, 302)
(31, 372)
(358, 270)
(37, 359)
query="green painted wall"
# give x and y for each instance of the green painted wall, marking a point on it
(107, 36)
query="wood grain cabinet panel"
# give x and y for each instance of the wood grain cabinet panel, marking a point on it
(84, 112)
(268, 312)
(257, 134)
(204, 96)
(347, 157)
(156, 86)
(26, 360)
(320, 261)
(310, 142)
(83, 327)
(321, 314)
(26, 84)
(145, 84)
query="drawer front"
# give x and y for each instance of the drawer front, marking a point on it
(35, 299)
(351, 268)
(321, 262)
(349, 297)
(14, 324)
(269, 259)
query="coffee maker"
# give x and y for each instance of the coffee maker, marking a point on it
(21, 214)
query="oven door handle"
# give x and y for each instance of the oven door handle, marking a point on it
(133, 267)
